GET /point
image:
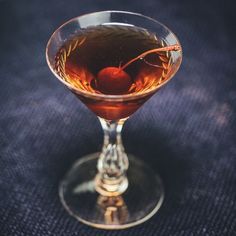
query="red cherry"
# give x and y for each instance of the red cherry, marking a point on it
(113, 80)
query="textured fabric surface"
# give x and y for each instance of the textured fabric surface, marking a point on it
(186, 131)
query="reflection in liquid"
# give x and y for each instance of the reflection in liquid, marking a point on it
(114, 209)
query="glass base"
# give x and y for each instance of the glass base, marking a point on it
(137, 204)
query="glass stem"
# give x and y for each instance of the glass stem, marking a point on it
(113, 162)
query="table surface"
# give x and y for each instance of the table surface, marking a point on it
(186, 131)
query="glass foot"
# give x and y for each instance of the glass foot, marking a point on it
(137, 204)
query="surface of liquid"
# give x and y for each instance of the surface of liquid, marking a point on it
(82, 58)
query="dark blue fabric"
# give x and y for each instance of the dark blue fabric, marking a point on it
(186, 131)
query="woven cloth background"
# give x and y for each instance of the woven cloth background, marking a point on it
(186, 131)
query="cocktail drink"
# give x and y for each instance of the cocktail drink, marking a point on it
(113, 62)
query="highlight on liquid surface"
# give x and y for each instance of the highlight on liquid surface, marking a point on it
(113, 60)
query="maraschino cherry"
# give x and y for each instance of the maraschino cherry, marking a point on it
(113, 80)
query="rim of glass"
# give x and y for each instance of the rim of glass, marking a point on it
(109, 97)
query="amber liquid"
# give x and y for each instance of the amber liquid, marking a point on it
(87, 52)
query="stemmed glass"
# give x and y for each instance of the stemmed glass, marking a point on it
(110, 189)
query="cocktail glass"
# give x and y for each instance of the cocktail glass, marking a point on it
(110, 189)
